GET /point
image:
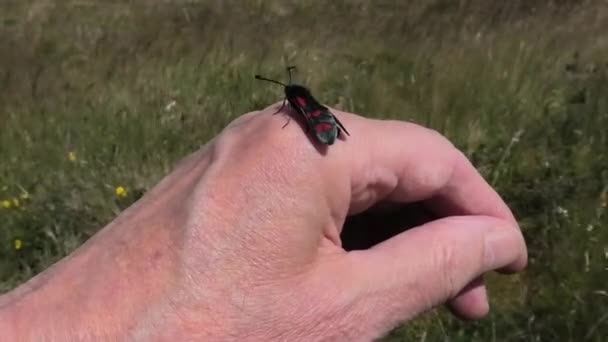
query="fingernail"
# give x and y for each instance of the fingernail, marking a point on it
(500, 247)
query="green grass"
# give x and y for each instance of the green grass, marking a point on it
(520, 86)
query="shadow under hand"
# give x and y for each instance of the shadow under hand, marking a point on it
(382, 222)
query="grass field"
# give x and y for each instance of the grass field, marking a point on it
(100, 95)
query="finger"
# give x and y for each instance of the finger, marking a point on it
(472, 302)
(454, 200)
(404, 162)
(407, 280)
(407, 163)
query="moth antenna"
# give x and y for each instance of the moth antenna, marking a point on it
(289, 68)
(258, 77)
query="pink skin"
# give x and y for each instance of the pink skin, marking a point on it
(241, 242)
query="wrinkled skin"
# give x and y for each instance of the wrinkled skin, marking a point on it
(242, 242)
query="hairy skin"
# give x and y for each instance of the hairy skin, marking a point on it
(242, 242)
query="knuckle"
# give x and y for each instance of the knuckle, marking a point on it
(263, 129)
(439, 162)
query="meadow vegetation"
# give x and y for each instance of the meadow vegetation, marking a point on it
(99, 99)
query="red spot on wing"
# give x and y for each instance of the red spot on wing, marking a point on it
(322, 127)
(316, 113)
(301, 101)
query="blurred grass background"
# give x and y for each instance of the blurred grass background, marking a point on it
(96, 95)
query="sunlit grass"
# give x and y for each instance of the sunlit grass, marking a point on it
(98, 102)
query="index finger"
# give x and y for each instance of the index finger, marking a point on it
(403, 162)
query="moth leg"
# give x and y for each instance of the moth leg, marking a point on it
(340, 125)
(288, 117)
(280, 109)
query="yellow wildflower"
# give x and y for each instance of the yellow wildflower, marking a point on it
(16, 202)
(120, 191)
(72, 156)
(18, 244)
(6, 204)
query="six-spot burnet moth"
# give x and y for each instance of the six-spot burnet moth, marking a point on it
(324, 124)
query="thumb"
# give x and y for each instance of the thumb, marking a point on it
(430, 264)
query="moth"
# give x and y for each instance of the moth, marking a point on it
(323, 123)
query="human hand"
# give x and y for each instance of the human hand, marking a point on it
(242, 242)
